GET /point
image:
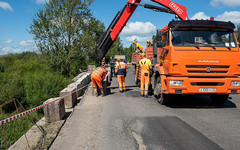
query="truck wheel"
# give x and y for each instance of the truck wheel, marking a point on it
(219, 99)
(161, 98)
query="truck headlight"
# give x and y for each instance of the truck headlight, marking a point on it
(175, 83)
(235, 83)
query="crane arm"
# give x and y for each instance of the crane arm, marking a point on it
(178, 9)
(122, 17)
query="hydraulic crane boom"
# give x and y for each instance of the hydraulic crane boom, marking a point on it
(122, 17)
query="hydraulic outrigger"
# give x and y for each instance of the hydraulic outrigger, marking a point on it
(122, 17)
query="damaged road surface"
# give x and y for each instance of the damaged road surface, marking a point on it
(126, 121)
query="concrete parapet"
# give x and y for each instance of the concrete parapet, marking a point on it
(55, 111)
(91, 68)
(33, 135)
(105, 83)
(81, 82)
(70, 100)
(79, 76)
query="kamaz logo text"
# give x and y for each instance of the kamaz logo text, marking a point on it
(209, 61)
(176, 8)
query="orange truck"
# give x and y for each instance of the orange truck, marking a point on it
(196, 57)
(190, 56)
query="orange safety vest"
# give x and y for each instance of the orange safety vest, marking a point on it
(144, 63)
(98, 72)
(121, 68)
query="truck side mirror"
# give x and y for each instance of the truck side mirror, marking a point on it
(159, 35)
(159, 39)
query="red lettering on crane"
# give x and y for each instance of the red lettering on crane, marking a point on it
(176, 8)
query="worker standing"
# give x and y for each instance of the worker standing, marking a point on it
(138, 47)
(121, 71)
(97, 78)
(112, 65)
(145, 65)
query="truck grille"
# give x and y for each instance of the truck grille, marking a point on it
(207, 83)
(207, 69)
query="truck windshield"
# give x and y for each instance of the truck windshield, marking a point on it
(202, 36)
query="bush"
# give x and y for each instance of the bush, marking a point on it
(12, 86)
(27, 78)
(40, 86)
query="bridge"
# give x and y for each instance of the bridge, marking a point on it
(124, 121)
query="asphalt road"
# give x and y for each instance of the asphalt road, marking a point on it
(126, 121)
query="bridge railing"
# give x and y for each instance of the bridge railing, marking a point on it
(54, 110)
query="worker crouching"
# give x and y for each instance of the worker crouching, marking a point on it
(97, 77)
(139, 47)
(121, 71)
(145, 65)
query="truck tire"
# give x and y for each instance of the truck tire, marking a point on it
(219, 100)
(161, 98)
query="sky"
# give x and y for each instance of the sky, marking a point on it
(16, 17)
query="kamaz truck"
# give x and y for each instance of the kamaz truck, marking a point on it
(190, 56)
(196, 57)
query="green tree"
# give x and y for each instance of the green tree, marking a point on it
(128, 52)
(154, 37)
(116, 49)
(64, 32)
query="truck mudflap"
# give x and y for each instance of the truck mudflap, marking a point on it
(202, 86)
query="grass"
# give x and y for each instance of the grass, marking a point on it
(14, 129)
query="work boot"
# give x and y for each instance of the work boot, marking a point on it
(96, 94)
(121, 91)
(102, 95)
(125, 90)
(142, 95)
(146, 96)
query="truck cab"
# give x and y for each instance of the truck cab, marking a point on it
(196, 57)
(122, 57)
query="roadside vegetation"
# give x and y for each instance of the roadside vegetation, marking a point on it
(27, 78)
(66, 34)
(238, 33)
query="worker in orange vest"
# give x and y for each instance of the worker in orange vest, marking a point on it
(121, 71)
(145, 65)
(138, 47)
(97, 78)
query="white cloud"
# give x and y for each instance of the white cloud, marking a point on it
(142, 31)
(27, 43)
(5, 6)
(139, 28)
(138, 38)
(233, 16)
(200, 15)
(7, 41)
(228, 3)
(41, 1)
(7, 50)
(23, 47)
